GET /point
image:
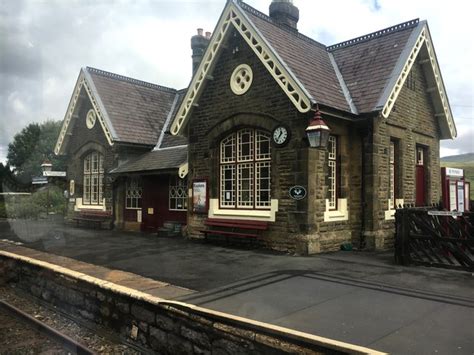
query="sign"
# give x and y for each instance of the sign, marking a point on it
(39, 180)
(445, 213)
(151, 210)
(454, 172)
(200, 196)
(297, 192)
(54, 173)
(139, 216)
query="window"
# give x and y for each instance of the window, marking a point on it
(178, 194)
(92, 193)
(393, 157)
(333, 167)
(245, 159)
(133, 194)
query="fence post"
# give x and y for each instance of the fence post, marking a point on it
(402, 255)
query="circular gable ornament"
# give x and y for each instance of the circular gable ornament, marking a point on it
(90, 119)
(241, 79)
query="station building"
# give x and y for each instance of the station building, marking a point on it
(239, 148)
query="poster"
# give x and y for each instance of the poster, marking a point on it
(200, 196)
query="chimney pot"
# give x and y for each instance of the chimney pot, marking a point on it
(285, 13)
(200, 30)
(208, 35)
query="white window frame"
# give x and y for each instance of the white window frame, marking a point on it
(178, 193)
(333, 171)
(245, 170)
(133, 194)
(93, 173)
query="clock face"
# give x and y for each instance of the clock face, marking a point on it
(280, 135)
(90, 119)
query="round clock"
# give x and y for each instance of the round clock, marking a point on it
(281, 135)
(90, 119)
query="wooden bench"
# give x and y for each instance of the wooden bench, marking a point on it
(93, 218)
(234, 228)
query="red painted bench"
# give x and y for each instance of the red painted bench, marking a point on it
(234, 228)
(93, 218)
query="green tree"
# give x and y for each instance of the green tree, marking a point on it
(31, 147)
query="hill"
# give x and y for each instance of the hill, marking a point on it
(462, 161)
(461, 158)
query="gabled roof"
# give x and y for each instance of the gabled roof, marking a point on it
(129, 110)
(361, 75)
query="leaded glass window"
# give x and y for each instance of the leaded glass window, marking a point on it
(332, 172)
(93, 182)
(178, 193)
(245, 176)
(133, 193)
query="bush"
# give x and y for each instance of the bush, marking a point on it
(49, 199)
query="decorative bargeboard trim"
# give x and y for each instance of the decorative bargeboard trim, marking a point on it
(423, 38)
(81, 82)
(234, 15)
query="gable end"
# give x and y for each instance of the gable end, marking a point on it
(233, 15)
(83, 81)
(420, 41)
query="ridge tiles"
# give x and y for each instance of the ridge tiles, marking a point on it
(129, 80)
(376, 34)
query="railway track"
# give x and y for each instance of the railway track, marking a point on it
(21, 333)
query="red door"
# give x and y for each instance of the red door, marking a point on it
(420, 178)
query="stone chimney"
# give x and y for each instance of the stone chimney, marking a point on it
(199, 44)
(285, 13)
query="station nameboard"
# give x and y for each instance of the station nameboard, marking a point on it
(454, 172)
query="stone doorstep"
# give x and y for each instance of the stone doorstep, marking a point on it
(15, 252)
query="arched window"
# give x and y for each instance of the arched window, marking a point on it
(93, 179)
(245, 162)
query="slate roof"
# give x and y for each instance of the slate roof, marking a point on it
(306, 58)
(162, 159)
(365, 63)
(137, 110)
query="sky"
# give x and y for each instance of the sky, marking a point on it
(44, 43)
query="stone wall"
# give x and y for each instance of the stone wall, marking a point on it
(84, 140)
(164, 326)
(412, 122)
(299, 225)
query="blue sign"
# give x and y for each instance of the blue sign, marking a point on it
(297, 192)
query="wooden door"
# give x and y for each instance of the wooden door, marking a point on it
(420, 182)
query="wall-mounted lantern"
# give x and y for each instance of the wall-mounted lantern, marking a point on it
(318, 131)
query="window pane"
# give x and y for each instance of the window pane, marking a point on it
(262, 184)
(262, 142)
(245, 145)
(227, 185)
(228, 149)
(245, 185)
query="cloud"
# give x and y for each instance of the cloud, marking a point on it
(44, 44)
